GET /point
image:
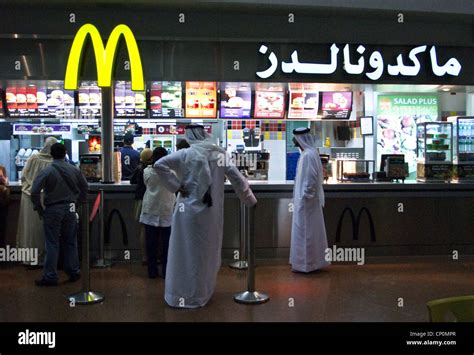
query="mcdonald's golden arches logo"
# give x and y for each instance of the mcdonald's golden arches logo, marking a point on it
(104, 56)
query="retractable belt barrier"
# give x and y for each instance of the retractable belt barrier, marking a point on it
(242, 264)
(251, 296)
(101, 262)
(85, 296)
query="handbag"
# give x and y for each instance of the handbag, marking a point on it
(4, 196)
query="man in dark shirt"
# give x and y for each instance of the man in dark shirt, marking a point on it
(130, 157)
(63, 186)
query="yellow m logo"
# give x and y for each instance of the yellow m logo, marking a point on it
(104, 57)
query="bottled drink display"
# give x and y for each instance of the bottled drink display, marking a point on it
(466, 136)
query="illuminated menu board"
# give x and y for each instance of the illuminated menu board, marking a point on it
(2, 114)
(269, 101)
(336, 104)
(42, 101)
(11, 101)
(21, 103)
(60, 102)
(304, 100)
(166, 99)
(90, 100)
(127, 102)
(39, 100)
(201, 99)
(119, 99)
(236, 100)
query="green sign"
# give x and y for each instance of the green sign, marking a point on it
(397, 117)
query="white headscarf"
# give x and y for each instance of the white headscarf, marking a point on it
(196, 134)
(307, 142)
(198, 156)
(35, 164)
(47, 145)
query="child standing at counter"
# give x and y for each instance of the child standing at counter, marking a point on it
(156, 215)
(137, 179)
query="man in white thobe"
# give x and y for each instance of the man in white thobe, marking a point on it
(308, 232)
(194, 256)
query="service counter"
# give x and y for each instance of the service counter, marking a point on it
(388, 219)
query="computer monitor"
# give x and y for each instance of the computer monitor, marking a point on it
(383, 160)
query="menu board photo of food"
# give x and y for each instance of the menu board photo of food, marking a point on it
(119, 99)
(55, 102)
(39, 129)
(269, 104)
(31, 100)
(11, 101)
(42, 101)
(303, 104)
(155, 99)
(129, 100)
(201, 99)
(21, 103)
(236, 100)
(68, 102)
(172, 99)
(336, 105)
(140, 103)
(90, 100)
(84, 101)
(397, 118)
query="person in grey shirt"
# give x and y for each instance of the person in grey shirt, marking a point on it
(63, 186)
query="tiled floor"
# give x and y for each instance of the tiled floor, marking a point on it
(341, 293)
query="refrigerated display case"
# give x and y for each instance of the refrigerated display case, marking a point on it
(91, 167)
(434, 151)
(463, 127)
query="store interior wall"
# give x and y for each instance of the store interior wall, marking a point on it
(370, 147)
(452, 104)
(470, 104)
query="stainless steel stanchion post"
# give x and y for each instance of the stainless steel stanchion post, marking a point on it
(101, 262)
(242, 264)
(251, 296)
(107, 135)
(85, 296)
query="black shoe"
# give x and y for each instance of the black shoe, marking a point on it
(74, 278)
(44, 282)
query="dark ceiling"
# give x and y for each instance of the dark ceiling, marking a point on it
(460, 7)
